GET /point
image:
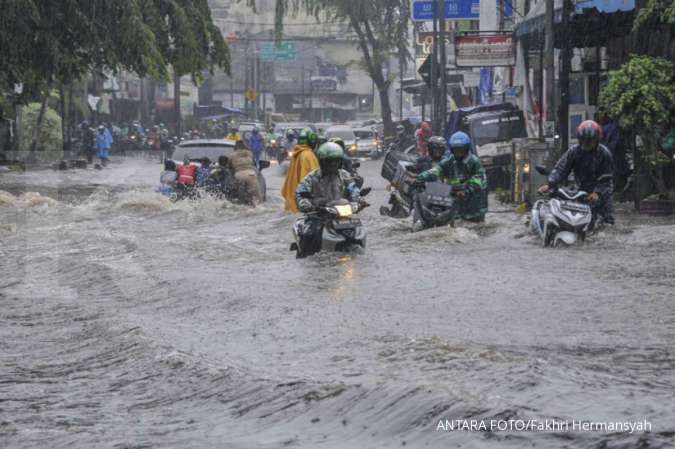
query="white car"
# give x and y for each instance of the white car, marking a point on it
(196, 150)
(347, 135)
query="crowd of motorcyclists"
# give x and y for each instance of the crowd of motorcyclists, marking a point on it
(319, 173)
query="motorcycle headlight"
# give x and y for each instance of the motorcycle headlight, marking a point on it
(352, 149)
(344, 211)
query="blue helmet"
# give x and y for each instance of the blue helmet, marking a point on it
(460, 140)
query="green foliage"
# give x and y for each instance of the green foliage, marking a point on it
(641, 93)
(45, 41)
(653, 13)
(641, 96)
(51, 139)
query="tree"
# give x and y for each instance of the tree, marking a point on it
(640, 96)
(381, 27)
(43, 42)
(189, 41)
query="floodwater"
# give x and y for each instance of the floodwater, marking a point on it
(127, 321)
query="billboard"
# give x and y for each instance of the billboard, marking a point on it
(494, 50)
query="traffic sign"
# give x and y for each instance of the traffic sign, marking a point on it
(251, 94)
(423, 10)
(285, 51)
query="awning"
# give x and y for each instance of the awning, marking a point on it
(589, 13)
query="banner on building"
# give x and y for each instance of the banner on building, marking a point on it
(484, 51)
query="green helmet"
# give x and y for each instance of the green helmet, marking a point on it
(330, 158)
(330, 150)
(307, 137)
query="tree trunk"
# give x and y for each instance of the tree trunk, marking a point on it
(367, 42)
(176, 105)
(63, 108)
(385, 105)
(38, 124)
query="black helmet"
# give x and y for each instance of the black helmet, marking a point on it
(437, 147)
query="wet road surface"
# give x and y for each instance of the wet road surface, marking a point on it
(131, 322)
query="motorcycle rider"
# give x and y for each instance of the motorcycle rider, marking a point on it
(221, 178)
(320, 187)
(233, 134)
(422, 136)
(303, 161)
(437, 149)
(589, 160)
(465, 173)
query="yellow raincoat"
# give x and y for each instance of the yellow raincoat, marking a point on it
(302, 163)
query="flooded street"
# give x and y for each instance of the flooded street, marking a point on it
(128, 321)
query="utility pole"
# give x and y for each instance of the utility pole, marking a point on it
(176, 104)
(255, 85)
(548, 62)
(303, 89)
(565, 68)
(311, 96)
(443, 106)
(434, 70)
(400, 97)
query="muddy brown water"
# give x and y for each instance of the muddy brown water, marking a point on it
(127, 321)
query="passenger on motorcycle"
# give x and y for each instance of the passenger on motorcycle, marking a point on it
(464, 171)
(593, 169)
(301, 164)
(186, 174)
(203, 172)
(167, 179)
(327, 184)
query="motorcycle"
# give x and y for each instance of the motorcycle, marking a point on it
(433, 205)
(339, 230)
(402, 191)
(186, 192)
(352, 168)
(565, 217)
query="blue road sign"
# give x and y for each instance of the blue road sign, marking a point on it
(423, 10)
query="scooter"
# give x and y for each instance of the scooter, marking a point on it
(340, 230)
(433, 206)
(564, 218)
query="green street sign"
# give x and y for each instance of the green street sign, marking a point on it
(285, 51)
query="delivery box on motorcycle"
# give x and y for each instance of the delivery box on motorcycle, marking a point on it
(403, 177)
(391, 161)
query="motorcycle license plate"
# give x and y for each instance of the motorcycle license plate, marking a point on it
(346, 224)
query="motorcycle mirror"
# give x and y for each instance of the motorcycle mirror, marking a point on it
(263, 165)
(365, 191)
(541, 170)
(356, 164)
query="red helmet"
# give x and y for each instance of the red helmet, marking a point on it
(589, 134)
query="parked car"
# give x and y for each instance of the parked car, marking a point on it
(196, 150)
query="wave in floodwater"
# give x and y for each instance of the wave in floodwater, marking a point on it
(129, 321)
